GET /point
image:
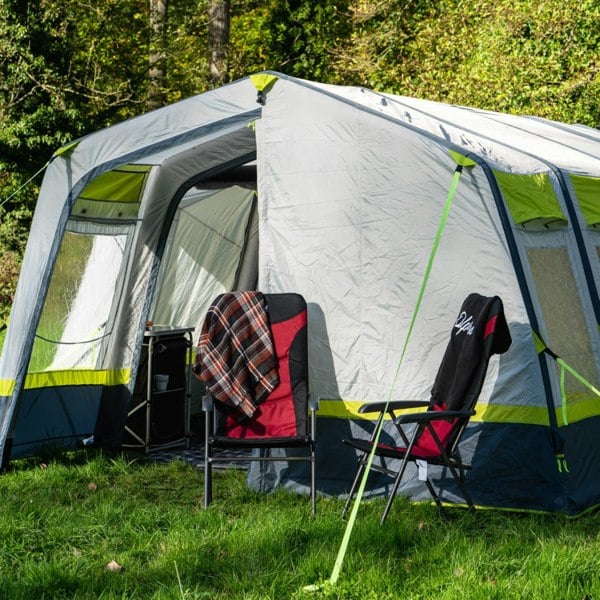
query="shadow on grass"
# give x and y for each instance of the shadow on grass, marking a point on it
(73, 458)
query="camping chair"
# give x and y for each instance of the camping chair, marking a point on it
(256, 374)
(433, 436)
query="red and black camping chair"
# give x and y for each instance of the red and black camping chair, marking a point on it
(253, 360)
(432, 437)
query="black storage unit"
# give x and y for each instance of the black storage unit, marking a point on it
(160, 417)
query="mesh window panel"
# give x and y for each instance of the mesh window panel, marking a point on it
(78, 303)
(204, 251)
(567, 329)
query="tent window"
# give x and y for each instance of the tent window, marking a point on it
(531, 200)
(566, 326)
(587, 190)
(113, 195)
(74, 320)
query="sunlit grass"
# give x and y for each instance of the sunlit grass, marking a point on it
(64, 521)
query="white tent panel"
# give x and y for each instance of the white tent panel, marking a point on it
(203, 253)
(366, 233)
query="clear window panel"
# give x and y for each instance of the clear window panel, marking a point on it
(75, 317)
(568, 334)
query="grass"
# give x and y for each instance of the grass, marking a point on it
(63, 521)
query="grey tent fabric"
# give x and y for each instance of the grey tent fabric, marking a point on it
(342, 206)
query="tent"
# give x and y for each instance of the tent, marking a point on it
(337, 193)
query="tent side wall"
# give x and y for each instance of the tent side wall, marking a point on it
(50, 216)
(517, 147)
(373, 189)
(214, 130)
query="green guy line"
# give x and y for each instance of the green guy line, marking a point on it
(337, 567)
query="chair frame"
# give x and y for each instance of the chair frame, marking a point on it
(213, 441)
(435, 409)
(448, 454)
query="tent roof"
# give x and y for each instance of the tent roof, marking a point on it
(516, 143)
(156, 136)
(508, 142)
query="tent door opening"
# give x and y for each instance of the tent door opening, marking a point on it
(212, 247)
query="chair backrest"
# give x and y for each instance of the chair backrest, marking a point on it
(283, 413)
(479, 331)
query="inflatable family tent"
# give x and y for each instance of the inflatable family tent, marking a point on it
(338, 193)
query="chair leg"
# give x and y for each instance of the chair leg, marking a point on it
(395, 488)
(435, 496)
(207, 460)
(313, 480)
(359, 473)
(461, 487)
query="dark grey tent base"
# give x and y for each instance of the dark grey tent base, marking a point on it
(499, 477)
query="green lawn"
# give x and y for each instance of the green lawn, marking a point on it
(64, 521)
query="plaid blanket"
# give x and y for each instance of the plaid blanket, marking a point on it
(236, 358)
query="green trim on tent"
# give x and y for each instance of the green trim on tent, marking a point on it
(505, 413)
(124, 184)
(531, 198)
(540, 345)
(7, 387)
(262, 81)
(67, 378)
(587, 190)
(531, 415)
(578, 410)
(341, 409)
(77, 377)
(66, 149)
(461, 160)
(114, 194)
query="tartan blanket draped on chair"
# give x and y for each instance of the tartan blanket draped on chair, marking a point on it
(236, 358)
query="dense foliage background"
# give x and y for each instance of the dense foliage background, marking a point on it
(68, 67)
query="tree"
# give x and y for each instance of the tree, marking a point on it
(68, 67)
(303, 35)
(535, 57)
(157, 58)
(218, 41)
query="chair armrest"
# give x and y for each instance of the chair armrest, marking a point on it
(434, 415)
(208, 403)
(371, 407)
(313, 402)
